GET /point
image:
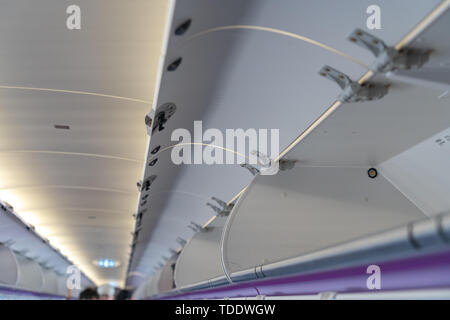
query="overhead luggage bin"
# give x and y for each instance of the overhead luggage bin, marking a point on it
(50, 281)
(166, 280)
(339, 153)
(204, 247)
(9, 272)
(20, 237)
(421, 245)
(371, 132)
(307, 209)
(139, 292)
(251, 71)
(62, 289)
(161, 281)
(23, 274)
(30, 275)
(151, 287)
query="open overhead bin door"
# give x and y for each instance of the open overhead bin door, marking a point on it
(9, 273)
(255, 65)
(204, 247)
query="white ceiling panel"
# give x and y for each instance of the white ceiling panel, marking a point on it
(78, 185)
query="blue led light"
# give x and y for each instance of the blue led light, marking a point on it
(106, 263)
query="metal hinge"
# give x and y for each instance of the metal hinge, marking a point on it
(224, 209)
(253, 170)
(264, 165)
(353, 91)
(181, 241)
(388, 58)
(195, 227)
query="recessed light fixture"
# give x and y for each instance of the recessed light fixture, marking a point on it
(62, 126)
(106, 263)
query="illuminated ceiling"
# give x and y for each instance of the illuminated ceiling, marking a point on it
(70, 156)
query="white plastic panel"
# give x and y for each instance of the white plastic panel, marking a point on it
(371, 132)
(166, 280)
(160, 281)
(422, 173)
(309, 208)
(139, 293)
(30, 274)
(152, 285)
(62, 286)
(75, 293)
(8, 266)
(50, 281)
(200, 259)
(21, 238)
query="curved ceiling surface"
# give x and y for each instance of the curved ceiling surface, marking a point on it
(73, 104)
(77, 184)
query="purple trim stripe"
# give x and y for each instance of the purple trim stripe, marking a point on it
(423, 272)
